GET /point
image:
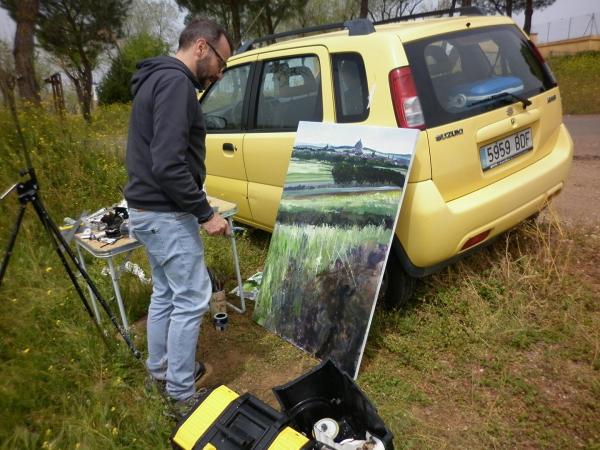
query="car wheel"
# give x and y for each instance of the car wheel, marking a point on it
(397, 287)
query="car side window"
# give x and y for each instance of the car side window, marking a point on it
(223, 104)
(350, 87)
(290, 91)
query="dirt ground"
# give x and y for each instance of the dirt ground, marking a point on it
(579, 202)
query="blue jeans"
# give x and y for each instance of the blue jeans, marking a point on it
(181, 291)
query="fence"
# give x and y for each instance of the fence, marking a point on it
(568, 28)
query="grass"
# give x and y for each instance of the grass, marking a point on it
(372, 203)
(307, 172)
(499, 351)
(301, 252)
(577, 77)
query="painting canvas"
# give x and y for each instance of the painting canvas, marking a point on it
(334, 229)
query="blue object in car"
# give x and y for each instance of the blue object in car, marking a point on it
(465, 94)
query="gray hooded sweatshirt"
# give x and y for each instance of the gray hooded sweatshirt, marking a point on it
(165, 145)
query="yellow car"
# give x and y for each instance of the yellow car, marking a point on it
(492, 148)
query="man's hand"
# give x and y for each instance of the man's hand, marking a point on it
(216, 226)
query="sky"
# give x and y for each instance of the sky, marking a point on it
(560, 10)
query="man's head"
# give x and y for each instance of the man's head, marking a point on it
(204, 47)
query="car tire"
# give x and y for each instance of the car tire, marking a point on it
(397, 287)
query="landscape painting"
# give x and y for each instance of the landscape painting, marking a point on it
(333, 233)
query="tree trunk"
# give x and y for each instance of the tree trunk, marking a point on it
(88, 94)
(528, 14)
(25, 17)
(6, 87)
(364, 8)
(452, 7)
(465, 3)
(235, 23)
(509, 7)
(82, 81)
(269, 19)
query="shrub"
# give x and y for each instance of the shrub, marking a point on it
(115, 86)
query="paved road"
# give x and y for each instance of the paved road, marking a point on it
(579, 201)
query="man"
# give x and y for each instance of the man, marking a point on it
(165, 164)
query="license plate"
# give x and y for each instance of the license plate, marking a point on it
(495, 153)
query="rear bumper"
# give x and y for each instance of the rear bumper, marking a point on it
(431, 232)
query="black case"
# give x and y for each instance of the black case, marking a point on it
(327, 391)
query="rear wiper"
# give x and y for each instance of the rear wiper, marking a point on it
(526, 102)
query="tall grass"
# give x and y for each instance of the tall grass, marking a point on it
(302, 251)
(499, 351)
(60, 387)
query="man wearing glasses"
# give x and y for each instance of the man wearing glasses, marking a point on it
(165, 165)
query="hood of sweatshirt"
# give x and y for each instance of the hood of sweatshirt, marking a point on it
(148, 66)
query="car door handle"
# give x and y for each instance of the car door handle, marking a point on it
(228, 147)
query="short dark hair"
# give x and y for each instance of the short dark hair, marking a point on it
(201, 27)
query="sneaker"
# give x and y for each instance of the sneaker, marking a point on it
(151, 383)
(181, 408)
(161, 385)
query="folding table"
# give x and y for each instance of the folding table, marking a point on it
(126, 245)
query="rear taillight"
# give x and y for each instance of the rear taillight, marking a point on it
(407, 106)
(476, 239)
(543, 62)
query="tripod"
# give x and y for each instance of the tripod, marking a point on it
(28, 193)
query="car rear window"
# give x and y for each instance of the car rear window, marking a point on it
(465, 73)
(350, 87)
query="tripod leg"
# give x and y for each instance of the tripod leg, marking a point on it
(59, 251)
(61, 246)
(11, 242)
(114, 277)
(82, 262)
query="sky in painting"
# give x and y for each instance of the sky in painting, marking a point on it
(388, 140)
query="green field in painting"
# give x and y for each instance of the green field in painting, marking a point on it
(301, 171)
(300, 252)
(370, 203)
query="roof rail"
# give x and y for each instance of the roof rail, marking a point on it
(465, 11)
(355, 27)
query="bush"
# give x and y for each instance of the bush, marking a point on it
(115, 86)
(577, 77)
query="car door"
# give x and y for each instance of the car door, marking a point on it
(287, 89)
(225, 107)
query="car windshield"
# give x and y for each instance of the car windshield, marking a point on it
(465, 73)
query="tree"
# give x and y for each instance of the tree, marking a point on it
(271, 13)
(508, 7)
(390, 9)
(318, 12)
(77, 32)
(7, 74)
(364, 9)
(227, 14)
(115, 86)
(153, 17)
(245, 18)
(528, 15)
(24, 13)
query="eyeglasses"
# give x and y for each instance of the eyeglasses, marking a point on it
(223, 63)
